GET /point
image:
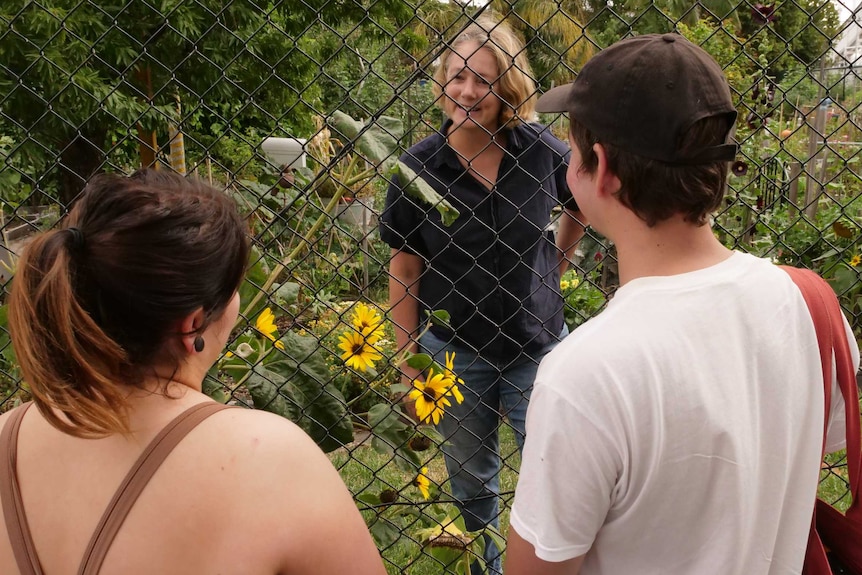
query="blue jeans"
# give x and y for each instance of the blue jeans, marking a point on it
(472, 448)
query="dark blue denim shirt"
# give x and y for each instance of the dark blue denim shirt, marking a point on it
(495, 269)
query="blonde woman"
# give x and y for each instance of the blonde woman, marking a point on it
(121, 464)
(496, 270)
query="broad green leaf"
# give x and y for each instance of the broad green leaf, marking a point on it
(385, 533)
(495, 536)
(396, 388)
(420, 361)
(368, 498)
(213, 388)
(431, 433)
(439, 317)
(825, 255)
(255, 276)
(288, 292)
(458, 520)
(263, 386)
(377, 144)
(415, 186)
(843, 280)
(448, 556)
(382, 417)
(322, 409)
(409, 460)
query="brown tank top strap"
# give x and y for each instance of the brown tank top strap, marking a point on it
(136, 480)
(10, 494)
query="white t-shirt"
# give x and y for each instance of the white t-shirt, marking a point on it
(680, 430)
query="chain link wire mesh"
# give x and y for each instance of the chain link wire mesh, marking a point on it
(235, 91)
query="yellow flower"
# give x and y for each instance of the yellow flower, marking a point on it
(430, 396)
(564, 285)
(423, 483)
(453, 379)
(367, 321)
(856, 260)
(359, 352)
(265, 324)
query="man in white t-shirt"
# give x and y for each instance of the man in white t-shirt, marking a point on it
(680, 431)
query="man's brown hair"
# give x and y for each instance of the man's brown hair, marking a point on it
(655, 190)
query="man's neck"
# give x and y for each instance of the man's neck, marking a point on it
(669, 248)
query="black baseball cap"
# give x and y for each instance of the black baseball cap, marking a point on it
(643, 93)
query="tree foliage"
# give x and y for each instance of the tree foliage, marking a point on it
(76, 76)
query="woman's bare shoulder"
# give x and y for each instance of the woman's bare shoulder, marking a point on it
(257, 431)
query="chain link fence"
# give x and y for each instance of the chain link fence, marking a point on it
(235, 91)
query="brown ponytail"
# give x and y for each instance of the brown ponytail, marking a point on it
(93, 304)
(67, 358)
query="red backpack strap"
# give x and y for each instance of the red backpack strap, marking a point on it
(832, 340)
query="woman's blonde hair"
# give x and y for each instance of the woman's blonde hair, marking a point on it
(515, 86)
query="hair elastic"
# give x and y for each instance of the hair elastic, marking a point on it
(77, 237)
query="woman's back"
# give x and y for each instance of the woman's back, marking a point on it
(116, 318)
(243, 492)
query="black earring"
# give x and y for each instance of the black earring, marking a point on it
(199, 344)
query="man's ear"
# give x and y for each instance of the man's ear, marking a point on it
(189, 327)
(607, 182)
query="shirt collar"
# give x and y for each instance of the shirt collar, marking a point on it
(517, 140)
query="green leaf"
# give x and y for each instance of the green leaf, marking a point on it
(212, 386)
(288, 292)
(420, 361)
(382, 417)
(431, 433)
(843, 279)
(415, 186)
(377, 143)
(447, 556)
(397, 388)
(439, 317)
(255, 277)
(409, 460)
(263, 386)
(385, 533)
(370, 499)
(495, 536)
(826, 254)
(322, 409)
(458, 520)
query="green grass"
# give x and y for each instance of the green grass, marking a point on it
(368, 471)
(834, 487)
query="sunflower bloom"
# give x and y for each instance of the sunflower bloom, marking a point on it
(856, 260)
(430, 397)
(453, 379)
(367, 321)
(265, 324)
(423, 483)
(359, 352)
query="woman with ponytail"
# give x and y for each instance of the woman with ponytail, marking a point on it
(120, 464)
